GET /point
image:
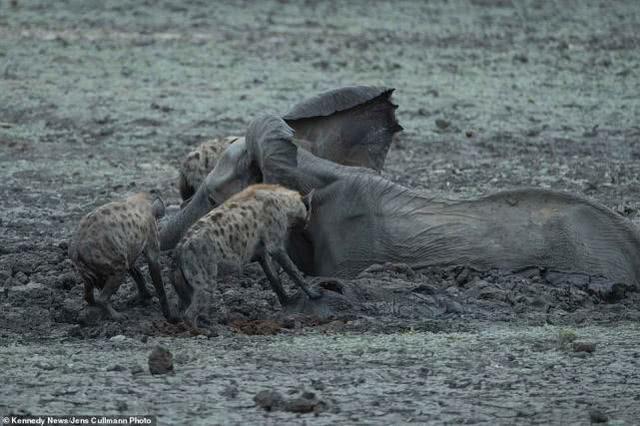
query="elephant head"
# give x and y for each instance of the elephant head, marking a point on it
(265, 155)
(350, 126)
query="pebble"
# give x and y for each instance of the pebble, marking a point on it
(160, 361)
(587, 347)
(597, 416)
(442, 124)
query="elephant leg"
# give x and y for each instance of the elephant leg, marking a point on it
(274, 280)
(281, 256)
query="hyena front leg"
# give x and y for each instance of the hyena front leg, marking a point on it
(273, 279)
(156, 278)
(281, 256)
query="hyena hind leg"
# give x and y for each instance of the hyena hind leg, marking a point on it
(143, 293)
(104, 300)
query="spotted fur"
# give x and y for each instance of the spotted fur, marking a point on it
(109, 240)
(253, 225)
(199, 162)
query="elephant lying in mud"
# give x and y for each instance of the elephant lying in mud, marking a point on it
(359, 218)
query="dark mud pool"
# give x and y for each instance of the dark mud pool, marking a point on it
(102, 99)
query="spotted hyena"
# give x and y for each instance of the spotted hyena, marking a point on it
(253, 225)
(107, 243)
(199, 162)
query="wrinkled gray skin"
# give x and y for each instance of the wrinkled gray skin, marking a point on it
(359, 218)
(352, 125)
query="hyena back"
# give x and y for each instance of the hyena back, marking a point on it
(253, 225)
(108, 242)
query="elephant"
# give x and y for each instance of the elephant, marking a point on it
(359, 218)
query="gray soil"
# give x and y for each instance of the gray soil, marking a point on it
(100, 99)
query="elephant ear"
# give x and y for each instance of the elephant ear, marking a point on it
(269, 143)
(353, 126)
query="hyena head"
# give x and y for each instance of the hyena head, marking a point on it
(199, 162)
(290, 203)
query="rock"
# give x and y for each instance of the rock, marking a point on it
(116, 367)
(230, 391)
(492, 293)
(118, 338)
(520, 57)
(307, 402)
(160, 361)
(301, 405)
(597, 416)
(269, 400)
(4, 275)
(67, 281)
(21, 277)
(89, 316)
(442, 124)
(587, 347)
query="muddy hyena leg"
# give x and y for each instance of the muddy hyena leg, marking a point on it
(281, 256)
(156, 278)
(88, 293)
(274, 280)
(143, 293)
(103, 301)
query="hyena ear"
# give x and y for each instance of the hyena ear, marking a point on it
(158, 207)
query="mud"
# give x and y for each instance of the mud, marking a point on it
(102, 99)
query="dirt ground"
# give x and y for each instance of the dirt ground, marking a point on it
(99, 99)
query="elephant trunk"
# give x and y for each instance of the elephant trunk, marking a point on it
(173, 228)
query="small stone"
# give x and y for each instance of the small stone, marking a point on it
(301, 405)
(597, 416)
(230, 392)
(442, 124)
(89, 316)
(116, 367)
(269, 400)
(468, 133)
(118, 339)
(587, 347)
(21, 277)
(160, 361)
(520, 57)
